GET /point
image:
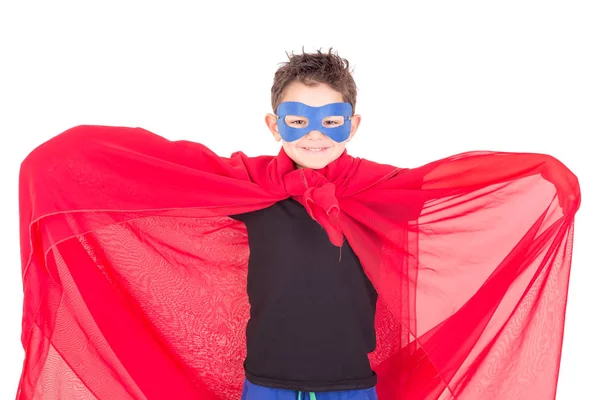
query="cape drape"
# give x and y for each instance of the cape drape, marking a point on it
(134, 276)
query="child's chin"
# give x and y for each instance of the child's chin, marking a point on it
(312, 164)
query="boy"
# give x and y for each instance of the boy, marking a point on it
(137, 270)
(312, 312)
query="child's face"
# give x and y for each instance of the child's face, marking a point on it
(298, 150)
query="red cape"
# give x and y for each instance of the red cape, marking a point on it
(135, 278)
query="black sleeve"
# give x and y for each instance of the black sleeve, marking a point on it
(239, 217)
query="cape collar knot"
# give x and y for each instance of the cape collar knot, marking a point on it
(318, 190)
(318, 196)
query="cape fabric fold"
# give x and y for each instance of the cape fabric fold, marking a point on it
(134, 276)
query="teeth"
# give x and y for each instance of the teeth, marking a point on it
(315, 149)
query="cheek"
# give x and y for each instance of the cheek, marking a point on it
(288, 146)
(339, 147)
(290, 149)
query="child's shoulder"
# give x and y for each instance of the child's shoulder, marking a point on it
(376, 170)
(370, 173)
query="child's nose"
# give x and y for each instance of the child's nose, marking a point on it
(314, 134)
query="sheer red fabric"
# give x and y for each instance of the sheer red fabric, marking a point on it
(134, 275)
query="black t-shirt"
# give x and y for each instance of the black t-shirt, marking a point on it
(312, 316)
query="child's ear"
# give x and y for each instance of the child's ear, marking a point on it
(355, 121)
(271, 121)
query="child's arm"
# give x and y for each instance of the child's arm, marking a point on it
(479, 170)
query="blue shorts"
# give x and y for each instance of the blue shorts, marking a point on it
(256, 392)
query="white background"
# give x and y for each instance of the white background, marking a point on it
(434, 79)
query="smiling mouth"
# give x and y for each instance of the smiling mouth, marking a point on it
(315, 149)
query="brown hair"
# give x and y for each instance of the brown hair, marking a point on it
(312, 69)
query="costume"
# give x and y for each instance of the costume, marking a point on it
(134, 274)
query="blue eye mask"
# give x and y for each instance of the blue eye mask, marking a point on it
(313, 119)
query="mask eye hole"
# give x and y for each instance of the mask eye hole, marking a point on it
(296, 121)
(333, 121)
